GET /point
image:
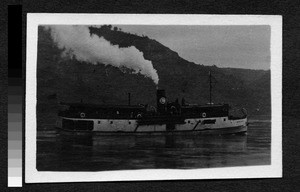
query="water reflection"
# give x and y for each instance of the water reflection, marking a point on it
(90, 152)
(227, 142)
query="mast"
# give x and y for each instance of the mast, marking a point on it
(212, 81)
(129, 98)
(210, 87)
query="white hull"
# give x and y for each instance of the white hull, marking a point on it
(221, 125)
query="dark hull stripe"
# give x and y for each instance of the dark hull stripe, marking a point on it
(196, 125)
(136, 128)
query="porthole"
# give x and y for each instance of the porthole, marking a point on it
(129, 122)
(82, 115)
(188, 121)
(224, 119)
(99, 122)
(111, 122)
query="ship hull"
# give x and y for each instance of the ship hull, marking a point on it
(220, 125)
(222, 131)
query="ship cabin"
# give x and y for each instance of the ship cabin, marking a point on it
(163, 109)
(92, 111)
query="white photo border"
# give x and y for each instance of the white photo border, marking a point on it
(266, 171)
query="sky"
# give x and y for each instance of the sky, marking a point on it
(224, 46)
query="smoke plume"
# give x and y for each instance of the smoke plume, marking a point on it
(77, 42)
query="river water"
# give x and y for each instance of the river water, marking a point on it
(60, 152)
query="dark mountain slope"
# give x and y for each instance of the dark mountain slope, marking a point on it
(248, 76)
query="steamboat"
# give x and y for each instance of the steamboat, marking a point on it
(166, 118)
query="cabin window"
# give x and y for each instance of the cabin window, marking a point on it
(129, 122)
(99, 122)
(188, 121)
(224, 119)
(111, 122)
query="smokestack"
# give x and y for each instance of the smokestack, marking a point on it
(129, 98)
(161, 101)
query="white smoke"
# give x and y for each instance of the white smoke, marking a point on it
(77, 41)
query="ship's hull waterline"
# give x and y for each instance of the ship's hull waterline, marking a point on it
(220, 125)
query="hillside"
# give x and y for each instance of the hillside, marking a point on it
(246, 75)
(62, 79)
